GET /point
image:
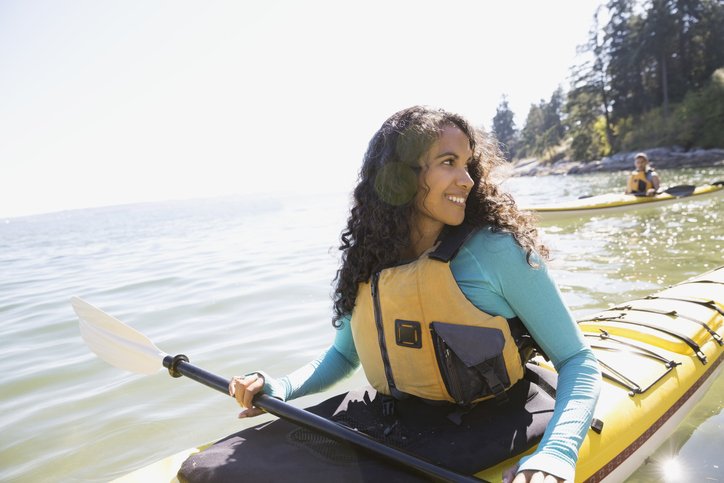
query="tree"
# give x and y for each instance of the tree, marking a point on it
(626, 69)
(504, 128)
(659, 38)
(583, 118)
(648, 79)
(544, 129)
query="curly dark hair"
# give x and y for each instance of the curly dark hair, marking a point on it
(379, 225)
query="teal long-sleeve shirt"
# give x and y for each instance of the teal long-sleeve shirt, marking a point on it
(493, 273)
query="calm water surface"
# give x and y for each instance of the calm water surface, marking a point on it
(240, 284)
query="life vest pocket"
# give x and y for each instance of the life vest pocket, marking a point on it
(471, 361)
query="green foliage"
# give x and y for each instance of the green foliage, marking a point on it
(657, 55)
(701, 115)
(544, 128)
(650, 129)
(591, 143)
(504, 128)
(695, 122)
(586, 126)
(651, 80)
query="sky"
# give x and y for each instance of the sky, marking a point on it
(110, 102)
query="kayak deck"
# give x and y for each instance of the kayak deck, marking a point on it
(612, 203)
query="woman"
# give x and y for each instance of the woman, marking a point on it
(642, 181)
(426, 177)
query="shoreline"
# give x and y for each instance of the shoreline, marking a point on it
(659, 158)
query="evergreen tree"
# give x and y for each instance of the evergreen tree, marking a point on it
(530, 132)
(544, 129)
(626, 69)
(504, 128)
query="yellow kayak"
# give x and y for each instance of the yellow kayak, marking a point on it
(658, 355)
(618, 202)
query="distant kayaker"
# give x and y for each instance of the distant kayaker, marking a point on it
(442, 297)
(643, 181)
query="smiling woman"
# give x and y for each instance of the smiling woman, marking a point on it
(442, 298)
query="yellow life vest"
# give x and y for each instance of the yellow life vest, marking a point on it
(417, 334)
(640, 181)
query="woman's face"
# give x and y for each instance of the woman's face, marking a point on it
(641, 163)
(444, 182)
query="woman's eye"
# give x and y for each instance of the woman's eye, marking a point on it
(449, 162)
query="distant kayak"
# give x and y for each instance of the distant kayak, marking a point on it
(619, 202)
(658, 356)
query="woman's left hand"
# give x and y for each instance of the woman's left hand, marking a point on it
(529, 476)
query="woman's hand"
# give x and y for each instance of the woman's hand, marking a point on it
(244, 389)
(528, 476)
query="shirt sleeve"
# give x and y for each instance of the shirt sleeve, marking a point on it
(337, 362)
(496, 277)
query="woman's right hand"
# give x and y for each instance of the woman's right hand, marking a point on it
(244, 389)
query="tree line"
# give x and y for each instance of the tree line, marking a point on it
(653, 75)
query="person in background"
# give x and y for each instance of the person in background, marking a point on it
(434, 255)
(643, 181)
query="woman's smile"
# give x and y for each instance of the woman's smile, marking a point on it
(457, 200)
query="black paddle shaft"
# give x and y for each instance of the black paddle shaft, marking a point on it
(179, 366)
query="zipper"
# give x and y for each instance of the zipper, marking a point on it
(381, 332)
(450, 375)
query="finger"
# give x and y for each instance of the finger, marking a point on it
(239, 390)
(538, 477)
(233, 384)
(250, 413)
(520, 478)
(527, 476)
(253, 387)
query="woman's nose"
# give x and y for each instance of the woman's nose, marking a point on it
(465, 180)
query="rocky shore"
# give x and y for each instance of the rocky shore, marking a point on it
(660, 158)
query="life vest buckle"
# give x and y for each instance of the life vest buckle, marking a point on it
(494, 383)
(388, 406)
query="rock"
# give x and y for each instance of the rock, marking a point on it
(659, 157)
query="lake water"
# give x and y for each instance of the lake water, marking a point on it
(239, 284)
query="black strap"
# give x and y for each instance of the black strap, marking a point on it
(451, 239)
(535, 378)
(709, 304)
(493, 382)
(620, 319)
(637, 349)
(671, 313)
(527, 345)
(531, 374)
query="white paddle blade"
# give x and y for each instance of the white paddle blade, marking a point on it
(115, 342)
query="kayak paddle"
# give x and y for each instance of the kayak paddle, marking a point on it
(679, 191)
(126, 348)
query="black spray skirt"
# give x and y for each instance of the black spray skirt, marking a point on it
(463, 440)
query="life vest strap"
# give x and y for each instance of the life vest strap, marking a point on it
(493, 382)
(451, 239)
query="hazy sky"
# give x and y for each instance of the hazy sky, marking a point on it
(107, 102)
